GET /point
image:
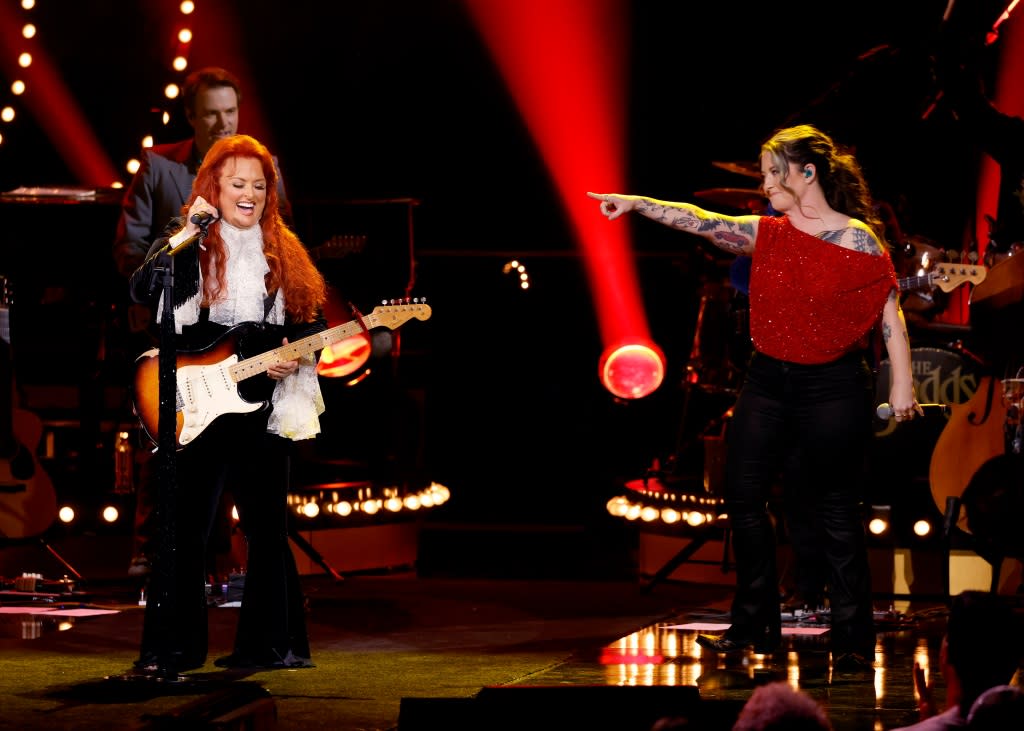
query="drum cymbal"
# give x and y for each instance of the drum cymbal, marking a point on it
(747, 169)
(748, 199)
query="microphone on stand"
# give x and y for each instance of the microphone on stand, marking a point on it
(203, 219)
(885, 411)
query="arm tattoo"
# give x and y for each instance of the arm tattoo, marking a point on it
(865, 241)
(724, 232)
(734, 237)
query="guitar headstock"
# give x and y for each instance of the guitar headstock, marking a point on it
(948, 276)
(400, 311)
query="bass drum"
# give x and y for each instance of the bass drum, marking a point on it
(902, 453)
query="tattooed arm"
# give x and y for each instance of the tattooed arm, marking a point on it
(733, 234)
(897, 344)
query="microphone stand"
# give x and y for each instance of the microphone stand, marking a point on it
(164, 588)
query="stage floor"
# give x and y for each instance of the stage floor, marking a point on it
(399, 651)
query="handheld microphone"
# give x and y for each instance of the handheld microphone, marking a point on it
(885, 411)
(203, 219)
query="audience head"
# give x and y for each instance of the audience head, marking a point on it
(780, 707)
(984, 643)
(997, 709)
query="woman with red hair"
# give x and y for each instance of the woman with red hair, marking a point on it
(241, 278)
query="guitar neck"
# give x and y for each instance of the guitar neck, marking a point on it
(910, 283)
(260, 363)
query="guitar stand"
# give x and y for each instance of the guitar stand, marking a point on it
(308, 549)
(5, 543)
(684, 555)
(53, 552)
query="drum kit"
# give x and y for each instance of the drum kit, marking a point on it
(750, 200)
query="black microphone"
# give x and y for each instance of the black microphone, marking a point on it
(203, 219)
(885, 411)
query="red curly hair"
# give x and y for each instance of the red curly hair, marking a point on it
(291, 268)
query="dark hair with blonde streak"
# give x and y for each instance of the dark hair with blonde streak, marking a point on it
(839, 173)
(291, 268)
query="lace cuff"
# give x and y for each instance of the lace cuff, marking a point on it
(297, 403)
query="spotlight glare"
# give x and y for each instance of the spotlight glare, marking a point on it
(695, 518)
(440, 493)
(7, 114)
(311, 509)
(66, 514)
(110, 514)
(649, 514)
(618, 506)
(25, 60)
(28, 30)
(180, 63)
(185, 35)
(878, 526)
(670, 515)
(18, 87)
(632, 371)
(922, 528)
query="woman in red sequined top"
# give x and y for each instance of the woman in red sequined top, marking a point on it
(821, 284)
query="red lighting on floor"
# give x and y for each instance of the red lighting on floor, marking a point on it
(611, 656)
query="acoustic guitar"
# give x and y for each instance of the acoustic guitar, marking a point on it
(28, 502)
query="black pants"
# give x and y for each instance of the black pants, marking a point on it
(236, 453)
(822, 414)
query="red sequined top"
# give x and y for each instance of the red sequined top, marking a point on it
(812, 301)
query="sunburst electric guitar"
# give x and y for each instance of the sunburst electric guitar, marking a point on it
(207, 380)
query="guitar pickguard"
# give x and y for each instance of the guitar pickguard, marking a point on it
(205, 392)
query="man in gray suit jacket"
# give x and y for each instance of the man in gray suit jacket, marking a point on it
(163, 182)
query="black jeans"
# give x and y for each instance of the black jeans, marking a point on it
(822, 414)
(234, 453)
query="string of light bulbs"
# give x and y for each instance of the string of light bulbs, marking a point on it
(26, 48)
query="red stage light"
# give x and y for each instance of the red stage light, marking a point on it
(632, 371)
